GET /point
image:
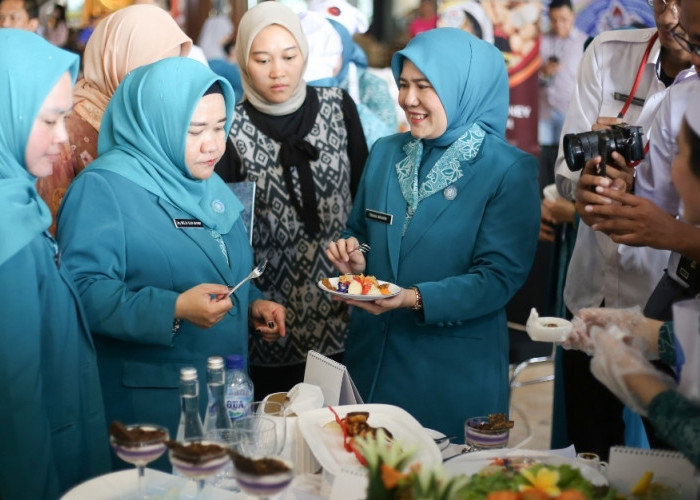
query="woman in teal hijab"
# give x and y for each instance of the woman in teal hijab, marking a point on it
(52, 426)
(451, 212)
(153, 237)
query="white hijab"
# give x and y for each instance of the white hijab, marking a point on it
(253, 22)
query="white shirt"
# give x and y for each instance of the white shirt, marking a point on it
(601, 270)
(653, 174)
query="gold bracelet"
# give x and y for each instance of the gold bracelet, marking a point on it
(419, 300)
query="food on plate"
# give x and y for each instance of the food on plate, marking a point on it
(357, 284)
(196, 452)
(355, 426)
(391, 477)
(134, 434)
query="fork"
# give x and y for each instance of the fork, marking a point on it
(255, 273)
(364, 248)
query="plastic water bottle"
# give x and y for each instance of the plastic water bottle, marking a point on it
(190, 423)
(216, 418)
(239, 387)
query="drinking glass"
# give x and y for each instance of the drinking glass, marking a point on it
(141, 448)
(256, 470)
(205, 465)
(276, 412)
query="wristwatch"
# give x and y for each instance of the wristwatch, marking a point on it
(419, 300)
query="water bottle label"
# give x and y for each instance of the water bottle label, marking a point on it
(236, 407)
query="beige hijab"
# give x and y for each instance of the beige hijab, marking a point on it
(130, 37)
(253, 22)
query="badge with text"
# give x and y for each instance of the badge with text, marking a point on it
(379, 216)
(187, 223)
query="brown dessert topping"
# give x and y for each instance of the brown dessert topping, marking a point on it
(134, 435)
(258, 467)
(497, 422)
(196, 452)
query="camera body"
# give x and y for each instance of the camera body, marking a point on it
(623, 138)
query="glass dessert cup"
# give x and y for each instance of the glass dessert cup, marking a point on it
(255, 469)
(262, 477)
(198, 459)
(479, 436)
(138, 444)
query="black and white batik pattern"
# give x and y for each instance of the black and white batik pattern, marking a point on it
(296, 261)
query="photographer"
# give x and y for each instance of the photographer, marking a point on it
(649, 217)
(620, 71)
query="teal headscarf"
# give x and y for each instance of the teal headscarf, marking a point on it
(29, 69)
(143, 134)
(469, 76)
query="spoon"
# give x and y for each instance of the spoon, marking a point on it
(255, 273)
(443, 439)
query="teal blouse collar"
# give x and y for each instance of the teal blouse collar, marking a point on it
(445, 171)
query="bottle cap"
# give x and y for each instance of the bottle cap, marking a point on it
(188, 373)
(235, 362)
(215, 362)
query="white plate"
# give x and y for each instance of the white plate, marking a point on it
(472, 463)
(438, 435)
(159, 485)
(394, 289)
(326, 443)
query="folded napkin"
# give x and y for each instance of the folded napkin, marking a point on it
(303, 397)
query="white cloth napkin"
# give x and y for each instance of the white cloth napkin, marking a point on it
(303, 397)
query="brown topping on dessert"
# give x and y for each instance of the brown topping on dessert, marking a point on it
(356, 425)
(551, 325)
(258, 467)
(327, 283)
(497, 422)
(134, 435)
(196, 452)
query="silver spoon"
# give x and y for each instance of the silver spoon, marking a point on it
(255, 273)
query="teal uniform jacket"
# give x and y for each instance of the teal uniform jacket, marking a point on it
(468, 256)
(130, 262)
(53, 433)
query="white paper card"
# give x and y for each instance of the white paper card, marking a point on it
(333, 379)
(670, 468)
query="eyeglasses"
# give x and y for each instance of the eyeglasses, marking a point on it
(684, 43)
(659, 6)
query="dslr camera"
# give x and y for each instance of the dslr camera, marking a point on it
(623, 138)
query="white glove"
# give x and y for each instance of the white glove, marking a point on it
(626, 320)
(613, 360)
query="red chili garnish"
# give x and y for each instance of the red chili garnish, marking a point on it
(348, 442)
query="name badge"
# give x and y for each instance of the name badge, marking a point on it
(619, 96)
(379, 216)
(187, 223)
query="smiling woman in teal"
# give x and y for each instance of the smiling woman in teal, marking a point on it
(153, 236)
(458, 233)
(52, 425)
